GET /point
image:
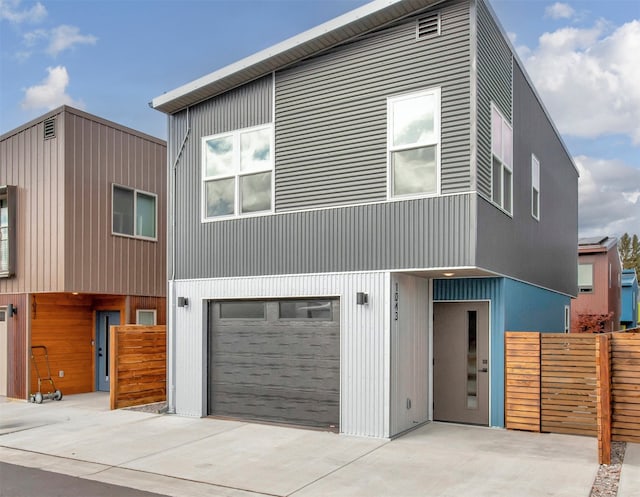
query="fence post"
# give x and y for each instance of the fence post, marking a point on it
(603, 373)
(113, 366)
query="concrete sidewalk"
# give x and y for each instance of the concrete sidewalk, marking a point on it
(179, 456)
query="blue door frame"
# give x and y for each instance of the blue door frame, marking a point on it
(104, 320)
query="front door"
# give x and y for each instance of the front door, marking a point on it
(461, 362)
(104, 320)
(4, 356)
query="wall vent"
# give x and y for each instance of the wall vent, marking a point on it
(428, 26)
(50, 128)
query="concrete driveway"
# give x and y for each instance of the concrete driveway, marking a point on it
(180, 456)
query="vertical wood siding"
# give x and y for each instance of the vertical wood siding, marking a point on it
(159, 304)
(494, 80)
(36, 167)
(99, 154)
(331, 112)
(17, 345)
(364, 340)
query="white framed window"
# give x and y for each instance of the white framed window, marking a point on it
(147, 317)
(7, 230)
(567, 319)
(585, 278)
(237, 173)
(413, 144)
(535, 187)
(135, 213)
(501, 161)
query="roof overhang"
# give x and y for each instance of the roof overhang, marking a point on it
(367, 18)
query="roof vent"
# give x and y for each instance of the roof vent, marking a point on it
(428, 26)
(50, 128)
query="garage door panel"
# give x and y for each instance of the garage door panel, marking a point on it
(284, 370)
(232, 339)
(269, 371)
(320, 409)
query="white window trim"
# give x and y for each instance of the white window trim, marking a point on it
(235, 134)
(437, 143)
(155, 315)
(135, 217)
(504, 165)
(587, 288)
(567, 319)
(535, 187)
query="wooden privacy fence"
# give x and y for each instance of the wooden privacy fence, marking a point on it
(577, 384)
(138, 365)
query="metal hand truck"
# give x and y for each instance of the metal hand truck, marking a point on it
(40, 355)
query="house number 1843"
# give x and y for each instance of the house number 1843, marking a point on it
(396, 294)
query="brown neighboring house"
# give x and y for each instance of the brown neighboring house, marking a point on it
(599, 285)
(82, 245)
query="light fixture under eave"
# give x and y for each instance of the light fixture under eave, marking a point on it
(449, 275)
(74, 293)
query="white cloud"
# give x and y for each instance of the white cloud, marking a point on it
(51, 93)
(10, 11)
(65, 37)
(559, 11)
(609, 197)
(588, 78)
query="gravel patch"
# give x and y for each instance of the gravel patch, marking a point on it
(608, 477)
(155, 408)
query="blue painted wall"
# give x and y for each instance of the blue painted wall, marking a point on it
(529, 308)
(629, 316)
(515, 306)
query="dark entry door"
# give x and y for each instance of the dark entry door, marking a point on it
(104, 319)
(461, 362)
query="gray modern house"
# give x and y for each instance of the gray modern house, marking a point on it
(357, 215)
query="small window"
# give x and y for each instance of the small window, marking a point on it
(3, 316)
(237, 171)
(242, 310)
(7, 231)
(567, 319)
(535, 187)
(585, 278)
(319, 310)
(146, 317)
(134, 213)
(502, 161)
(413, 139)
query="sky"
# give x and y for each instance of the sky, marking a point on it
(112, 57)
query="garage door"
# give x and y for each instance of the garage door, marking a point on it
(276, 361)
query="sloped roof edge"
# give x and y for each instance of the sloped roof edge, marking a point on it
(329, 34)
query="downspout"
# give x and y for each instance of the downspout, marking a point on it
(171, 376)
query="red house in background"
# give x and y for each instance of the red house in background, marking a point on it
(599, 285)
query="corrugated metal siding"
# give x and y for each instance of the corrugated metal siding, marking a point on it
(492, 289)
(422, 233)
(494, 81)
(364, 341)
(35, 166)
(96, 156)
(17, 345)
(409, 353)
(331, 122)
(548, 246)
